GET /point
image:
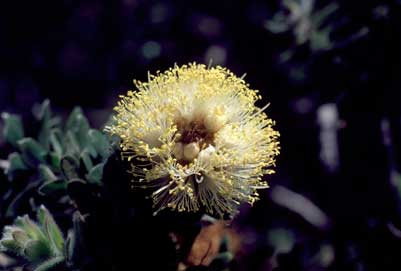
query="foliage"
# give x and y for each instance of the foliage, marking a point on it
(55, 162)
(60, 164)
(41, 244)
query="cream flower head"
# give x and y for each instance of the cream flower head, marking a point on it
(200, 139)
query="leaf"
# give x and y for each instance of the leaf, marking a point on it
(32, 151)
(95, 174)
(72, 118)
(30, 227)
(70, 247)
(86, 160)
(50, 264)
(55, 141)
(74, 243)
(13, 129)
(36, 250)
(9, 245)
(69, 167)
(55, 160)
(53, 232)
(44, 116)
(90, 150)
(71, 144)
(53, 187)
(100, 142)
(42, 111)
(15, 164)
(79, 125)
(46, 174)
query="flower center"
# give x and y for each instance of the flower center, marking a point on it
(196, 135)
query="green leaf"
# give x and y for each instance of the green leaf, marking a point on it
(86, 160)
(55, 160)
(72, 118)
(30, 227)
(69, 247)
(32, 151)
(79, 125)
(95, 174)
(15, 164)
(74, 243)
(9, 245)
(42, 111)
(13, 129)
(46, 174)
(100, 142)
(53, 232)
(69, 167)
(36, 251)
(44, 135)
(50, 264)
(53, 187)
(55, 141)
(71, 144)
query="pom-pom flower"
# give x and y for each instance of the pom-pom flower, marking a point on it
(197, 137)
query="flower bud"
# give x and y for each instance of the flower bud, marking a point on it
(204, 155)
(178, 151)
(191, 151)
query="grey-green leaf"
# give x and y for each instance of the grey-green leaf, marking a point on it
(32, 151)
(86, 160)
(55, 141)
(13, 129)
(9, 245)
(55, 160)
(100, 142)
(15, 163)
(46, 174)
(52, 230)
(53, 187)
(36, 251)
(42, 111)
(69, 166)
(74, 243)
(30, 227)
(71, 144)
(50, 264)
(79, 125)
(95, 174)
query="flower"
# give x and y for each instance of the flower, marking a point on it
(197, 137)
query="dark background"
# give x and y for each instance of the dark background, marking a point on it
(87, 53)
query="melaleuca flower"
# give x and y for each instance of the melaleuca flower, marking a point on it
(200, 139)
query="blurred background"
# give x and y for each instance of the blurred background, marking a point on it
(329, 69)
